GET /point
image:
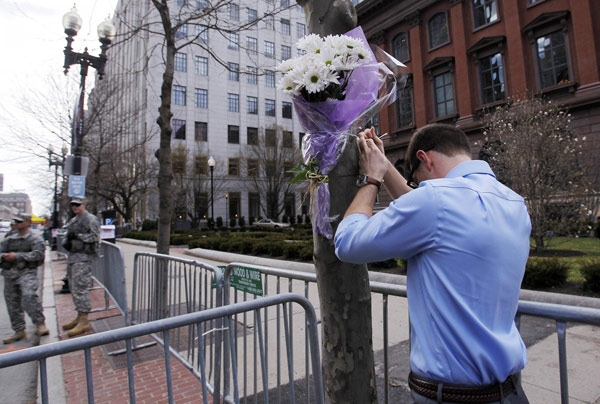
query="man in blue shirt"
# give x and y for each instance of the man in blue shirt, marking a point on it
(466, 238)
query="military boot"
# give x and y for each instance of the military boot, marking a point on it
(82, 326)
(17, 336)
(72, 324)
(41, 329)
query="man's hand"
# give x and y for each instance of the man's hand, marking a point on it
(9, 257)
(372, 160)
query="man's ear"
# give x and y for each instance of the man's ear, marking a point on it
(425, 159)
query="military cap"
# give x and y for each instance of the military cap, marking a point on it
(78, 199)
(22, 217)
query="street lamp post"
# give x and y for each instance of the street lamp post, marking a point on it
(106, 33)
(226, 210)
(211, 164)
(56, 161)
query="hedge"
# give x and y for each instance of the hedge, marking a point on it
(545, 273)
(591, 273)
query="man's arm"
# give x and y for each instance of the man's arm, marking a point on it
(93, 233)
(37, 251)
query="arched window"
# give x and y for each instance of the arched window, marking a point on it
(438, 30)
(484, 12)
(400, 167)
(400, 47)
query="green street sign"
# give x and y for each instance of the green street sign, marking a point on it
(244, 279)
(247, 280)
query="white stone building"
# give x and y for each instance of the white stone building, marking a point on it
(217, 111)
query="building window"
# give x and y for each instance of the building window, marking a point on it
(491, 77)
(300, 30)
(270, 137)
(287, 169)
(288, 139)
(235, 203)
(202, 65)
(404, 107)
(201, 131)
(269, 78)
(270, 169)
(400, 47)
(234, 12)
(234, 167)
(233, 71)
(252, 77)
(201, 98)
(269, 49)
(484, 12)
(233, 41)
(443, 90)
(252, 105)
(438, 30)
(286, 109)
(285, 3)
(286, 52)
(202, 33)
(202, 4)
(252, 136)
(300, 52)
(181, 31)
(178, 127)
(252, 167)
(269, 107)
(178, 94)
(553, 65)
(180, 62)
(179, 161)
(285, 27)
(233, 134)
(269, 20)
(252, 14)
(233, 102)
(300, 137)
(200, 165)
(252, 44)
(253, 204)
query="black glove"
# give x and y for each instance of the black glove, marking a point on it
(67, 244)
(71, 236)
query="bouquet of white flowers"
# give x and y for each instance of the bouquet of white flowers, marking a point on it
(337, 86)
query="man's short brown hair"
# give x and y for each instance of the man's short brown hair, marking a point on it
(445, 139)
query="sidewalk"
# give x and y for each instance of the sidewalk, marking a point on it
(109, 376)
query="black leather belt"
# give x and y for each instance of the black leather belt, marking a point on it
(453, 393)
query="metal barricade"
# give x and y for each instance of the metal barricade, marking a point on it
(275, 280)
(109, 272)
(59, 245)
(166, 286)
(165, 327)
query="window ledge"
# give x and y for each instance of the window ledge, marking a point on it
(535, 4)
(446, 118)
(486, 107)
(559, 88)
(489, 24)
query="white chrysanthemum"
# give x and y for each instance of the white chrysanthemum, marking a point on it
(335, 42)
(288, 65)
(311, 43)
(314, 79)
(349, 62)
(330, 58)
(289, 85)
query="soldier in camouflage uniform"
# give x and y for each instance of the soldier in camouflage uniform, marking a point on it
(20, 255)
(82, 242)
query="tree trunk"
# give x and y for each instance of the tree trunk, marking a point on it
(348, 364)
(344, 292)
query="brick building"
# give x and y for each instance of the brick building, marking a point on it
(467, 55)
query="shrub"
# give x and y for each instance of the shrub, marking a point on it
(148, 224)
(149, 235)
(276, 248)
(232, 222)
(242, 221)
(261, 247)
(306, 253)
(292, 220)
(180, 239)
(545, 272)
(251, 220)
(219, 222)
(198, 243)
(591, 273)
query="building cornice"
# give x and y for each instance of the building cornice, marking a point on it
(384, 14)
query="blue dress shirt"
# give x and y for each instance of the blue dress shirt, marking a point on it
(466, 238)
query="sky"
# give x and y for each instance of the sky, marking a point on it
(32, 46)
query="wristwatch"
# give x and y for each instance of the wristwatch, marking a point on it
(364, 179)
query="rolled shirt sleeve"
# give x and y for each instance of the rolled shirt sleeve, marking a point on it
(405, 228)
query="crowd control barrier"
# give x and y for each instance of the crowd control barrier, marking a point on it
(165, 327)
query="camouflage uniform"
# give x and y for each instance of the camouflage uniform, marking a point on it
(20, 278)
(82, 241)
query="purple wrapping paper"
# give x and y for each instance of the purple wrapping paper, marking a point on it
(329, 123)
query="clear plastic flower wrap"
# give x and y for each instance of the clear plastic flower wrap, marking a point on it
(328, 124)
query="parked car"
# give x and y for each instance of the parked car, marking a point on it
(262, 223)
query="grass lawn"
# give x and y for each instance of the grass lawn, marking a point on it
(588, 247)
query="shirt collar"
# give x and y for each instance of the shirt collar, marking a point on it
(471, 167)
